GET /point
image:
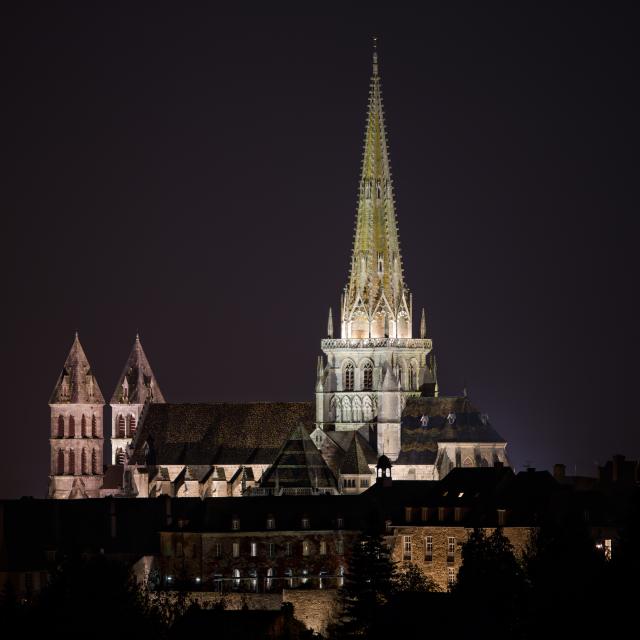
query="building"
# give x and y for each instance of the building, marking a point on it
(376, 393)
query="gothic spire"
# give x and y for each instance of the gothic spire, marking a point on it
(76, 383)
(330, 324)
(423, 324)
(376, 284)
(137, 381)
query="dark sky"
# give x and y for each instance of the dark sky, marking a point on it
(192, 174)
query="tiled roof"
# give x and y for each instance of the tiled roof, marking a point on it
(358, 457)
(426, 421)
(222, 433)
(299, 464)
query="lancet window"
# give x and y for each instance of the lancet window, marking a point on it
(72, 427)
(121, 427)
(60, 427)
(60, 463)
(348, 376)
(94, 462)
(367, 376)
(83, 426)
(72, 462)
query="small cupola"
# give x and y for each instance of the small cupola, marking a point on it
(383, 471)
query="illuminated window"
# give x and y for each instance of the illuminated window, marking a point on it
(348, 377)
(451, 576)
(406, 547)
(217, 550)
(236, 578)
(305, 523)
(428, 548)
(272, 550)
(367, 376)
(306, 548)
(288, 549)
(339, 547)
(269, 582)
(254, 549)
(451, 549)
(271, 523)
(235, 524)
(236, 549)
(323, 548)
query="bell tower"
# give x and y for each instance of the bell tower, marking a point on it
(376, 363)
(76, 438)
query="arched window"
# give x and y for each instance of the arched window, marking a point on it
(336, 407)
(348, 376)
(367, 408)
(121, 429)
(84, 462)
(60, 463)
(413, 376)
(357, 409)
(83, 426)
(94, 462)
(72, 427)
(132, 426)
(94, 426)
(72, 462)
(60, 427)
(367, 376)
(346, 409)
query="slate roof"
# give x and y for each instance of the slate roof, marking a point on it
(76, 383)
(140, 379)
(420, 442)
(299, 464)
(358, 457)
(221, 433)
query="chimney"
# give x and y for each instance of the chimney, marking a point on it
(559, 471)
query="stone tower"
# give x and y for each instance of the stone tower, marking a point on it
(76, 441)
(136, 386)
(376, 363)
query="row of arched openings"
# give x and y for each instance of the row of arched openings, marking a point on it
(355, 409)
(366, 373)
(66, 462)
(348, 376)
(88, 427)
(125, 427)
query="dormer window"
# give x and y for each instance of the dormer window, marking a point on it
(306, 523)
(339, 523)
(271, 522)
(235, 524)
(424, 421)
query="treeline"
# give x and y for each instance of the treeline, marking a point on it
(562, 586)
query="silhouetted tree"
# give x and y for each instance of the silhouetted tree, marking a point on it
(367, 587)
(412, 580)
(491, 581)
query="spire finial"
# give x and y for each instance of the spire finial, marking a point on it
(375, 55)
(330, 324)
(423, 324)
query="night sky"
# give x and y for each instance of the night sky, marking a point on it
(192, 175)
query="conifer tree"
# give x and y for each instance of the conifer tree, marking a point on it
(367, 587)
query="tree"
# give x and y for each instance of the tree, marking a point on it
(413, 580)
(367, 587)
(491, 581)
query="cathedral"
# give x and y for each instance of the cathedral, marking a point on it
(376, 396)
